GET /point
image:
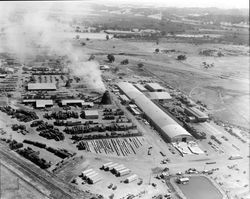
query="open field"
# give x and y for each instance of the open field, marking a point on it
(223, 88)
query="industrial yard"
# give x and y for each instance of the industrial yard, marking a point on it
(97, 111)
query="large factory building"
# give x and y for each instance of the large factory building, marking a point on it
(41, 86)
(169, 129)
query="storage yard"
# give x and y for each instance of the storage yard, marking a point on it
(107, 115)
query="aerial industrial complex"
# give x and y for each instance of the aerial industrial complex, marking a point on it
(95, 105)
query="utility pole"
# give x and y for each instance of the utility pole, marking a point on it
(149, 182)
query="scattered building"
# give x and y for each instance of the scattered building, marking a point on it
(123, 172)
(91, 176)
(39, 103)
(131, 178)
(41, 86)
(154, 87)
(91, 114)
(199, 115)
(140, 87)
(182, 180)
(159, 96)
(169, 129)
(3, 75)
(134, 109)
(124, 99)
(73, 102)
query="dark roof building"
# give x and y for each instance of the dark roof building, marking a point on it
(199, 115)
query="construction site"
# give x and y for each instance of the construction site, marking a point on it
(90, 112)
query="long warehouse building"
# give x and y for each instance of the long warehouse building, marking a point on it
(170, 130)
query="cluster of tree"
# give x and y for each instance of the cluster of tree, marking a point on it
(48, 131)
(62, 115)
(98, 128)
(124, 62)
(195, 133)
(106, 136)
(113, 112)
(52, 134)
(215, 139)
(140, 65)
(16, 127)
(15, 145)
(181, 57)
(21, 114)
(33, 156)
(37, 144)
(111, 57)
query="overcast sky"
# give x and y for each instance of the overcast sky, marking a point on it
(186, 3)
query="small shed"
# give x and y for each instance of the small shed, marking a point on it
(91, 114)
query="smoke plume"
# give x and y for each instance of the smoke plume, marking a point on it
(28, 29)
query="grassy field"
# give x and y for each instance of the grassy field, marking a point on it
(224, 88)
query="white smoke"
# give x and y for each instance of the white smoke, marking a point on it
(28, 29)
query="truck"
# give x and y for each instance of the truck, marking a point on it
(235, 157)
(131, 178)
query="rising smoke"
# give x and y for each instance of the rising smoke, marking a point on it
(28, 29)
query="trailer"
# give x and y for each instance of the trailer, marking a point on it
(131, 178)
(95, 179)
(183, 180)
(92, 175)
(104, 166)
(119, 169)
(86, 171)
(123, 172)
(110, 167)
(88, 174)
(235, 157)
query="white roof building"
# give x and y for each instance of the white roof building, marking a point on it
(41, 86)
(39, 103)
(158, 95)
(154, 87)
(76, 101)
(169, 128)
(91, 114)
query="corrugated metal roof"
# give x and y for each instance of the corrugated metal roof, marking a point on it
(72, 101)
(140, 87)
(90, 112)
(155, 86)
(43, 103)
(197, 112)
(41, 86)
(124, 98)
(158, 95)
(158, 116)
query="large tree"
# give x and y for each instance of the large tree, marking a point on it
(111, 58)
